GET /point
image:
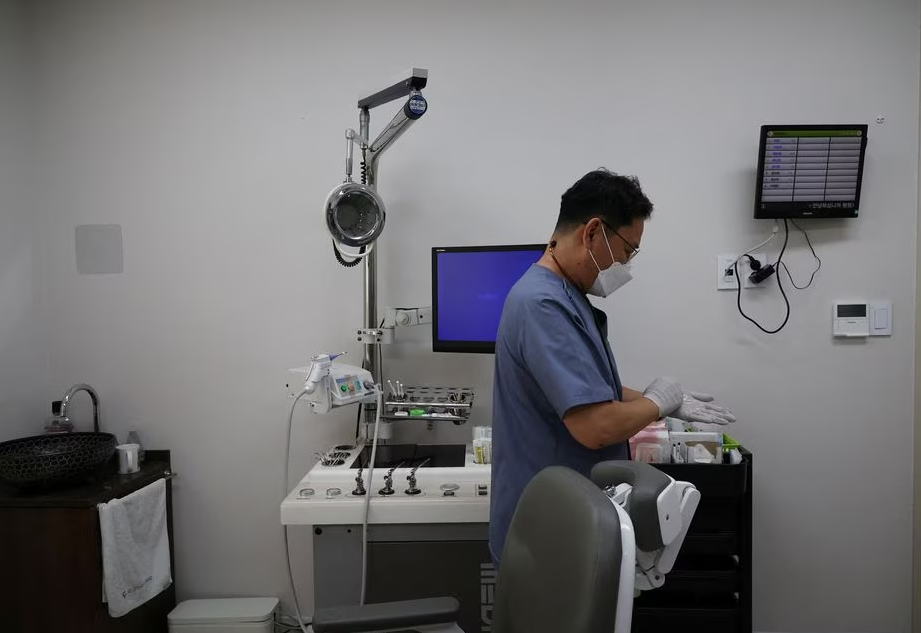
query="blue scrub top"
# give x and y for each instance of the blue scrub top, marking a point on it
(552, 354)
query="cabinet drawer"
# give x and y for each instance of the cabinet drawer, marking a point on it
(701, 575)
(656, 613)
(710, 543)
(717, 514)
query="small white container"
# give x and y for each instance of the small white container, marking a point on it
(224, 615)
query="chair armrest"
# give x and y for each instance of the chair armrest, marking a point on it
(385, 615)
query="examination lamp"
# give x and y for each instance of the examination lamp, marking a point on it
(355, 213)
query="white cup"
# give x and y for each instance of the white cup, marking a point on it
(128, 458)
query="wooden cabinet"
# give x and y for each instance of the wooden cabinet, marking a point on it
(51, 557)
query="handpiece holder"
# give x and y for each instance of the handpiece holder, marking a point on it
(359, 485)
(431, 404)
(411, 478)
(387, 490)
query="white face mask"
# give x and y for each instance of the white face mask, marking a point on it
(612, 277)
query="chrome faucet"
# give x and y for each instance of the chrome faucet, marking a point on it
(68, 396)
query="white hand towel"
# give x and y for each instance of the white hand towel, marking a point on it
(135, 548)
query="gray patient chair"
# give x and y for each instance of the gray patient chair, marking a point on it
(560, 570)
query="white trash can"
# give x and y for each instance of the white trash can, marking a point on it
(224, 615)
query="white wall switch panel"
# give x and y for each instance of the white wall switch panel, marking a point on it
(724, 279)
(880, 318)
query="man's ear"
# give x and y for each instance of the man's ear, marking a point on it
(591, 228)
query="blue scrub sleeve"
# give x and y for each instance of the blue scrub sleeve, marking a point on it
(562, 357)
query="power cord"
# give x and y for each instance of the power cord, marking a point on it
(297, 608)
(763, 272)
(284, 627)
(766, 272)
(368, 495)
(358, 422)
(348, 263)
(363, 251)
(364, 547)
(754, 248)
(818, 261)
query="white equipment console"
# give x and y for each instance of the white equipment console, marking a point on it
(453, 494)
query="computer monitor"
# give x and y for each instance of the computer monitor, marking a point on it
(810, 171)
(469, 286)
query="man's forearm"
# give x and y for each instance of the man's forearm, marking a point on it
(631, 394)
(604, 423)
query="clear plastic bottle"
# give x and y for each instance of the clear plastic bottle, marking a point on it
(482, 444)
(134, 438)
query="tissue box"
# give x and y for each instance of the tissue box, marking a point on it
(651, 445)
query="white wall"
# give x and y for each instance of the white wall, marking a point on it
(211, 131)
(22, 363)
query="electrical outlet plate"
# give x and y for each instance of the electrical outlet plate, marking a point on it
(728, 282)
(406, 317)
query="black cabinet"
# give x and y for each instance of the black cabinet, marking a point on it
(710, 587)
(51, 557)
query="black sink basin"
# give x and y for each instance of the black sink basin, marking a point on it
(412, 455)
(42, 461)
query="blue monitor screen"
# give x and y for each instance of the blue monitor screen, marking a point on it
(469, 286)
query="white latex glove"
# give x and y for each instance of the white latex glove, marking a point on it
(665, 394)
(698, 407)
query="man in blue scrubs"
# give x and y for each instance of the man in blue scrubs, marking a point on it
(557, 397)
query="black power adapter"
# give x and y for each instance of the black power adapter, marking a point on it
(759, 272)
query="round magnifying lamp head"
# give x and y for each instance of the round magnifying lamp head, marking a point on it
(354, 214)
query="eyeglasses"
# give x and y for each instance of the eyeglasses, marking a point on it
(633, 250)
